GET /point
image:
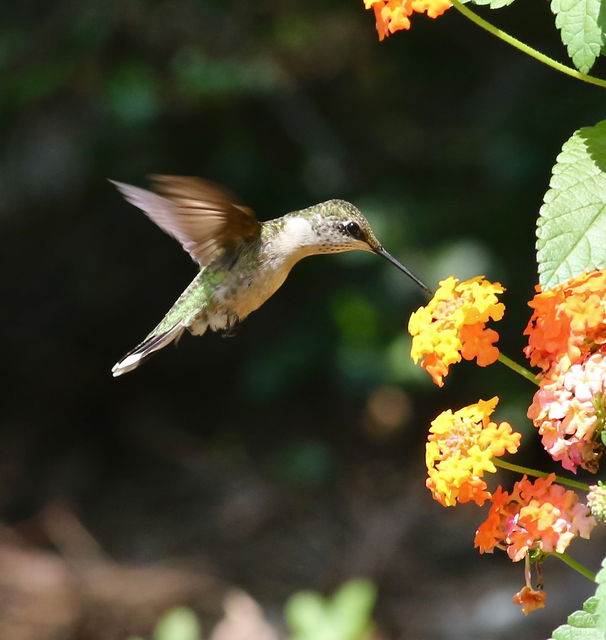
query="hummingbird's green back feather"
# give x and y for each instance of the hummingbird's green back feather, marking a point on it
(189, 304)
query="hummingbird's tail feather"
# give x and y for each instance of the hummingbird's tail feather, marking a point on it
(143, 351)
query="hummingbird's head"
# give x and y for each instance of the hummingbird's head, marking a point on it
(340, 226)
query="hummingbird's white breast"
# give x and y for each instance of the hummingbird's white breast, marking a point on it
(277, 256)
(259, 272)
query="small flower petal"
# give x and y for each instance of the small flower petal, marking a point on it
(477, 343)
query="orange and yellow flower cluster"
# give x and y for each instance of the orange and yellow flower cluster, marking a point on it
(394, 15)
(461, 447)
(538, 516)
(535, 516)
(453, 326)
(568, 323)
(567, 340)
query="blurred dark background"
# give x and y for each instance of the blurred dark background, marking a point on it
(292, 456)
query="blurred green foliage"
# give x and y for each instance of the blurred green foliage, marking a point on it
(179, 623)
(346, 615)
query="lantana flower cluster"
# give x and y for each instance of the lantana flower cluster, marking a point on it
(394, 15)
(535, 516)
(568, 323)
(567, 341)
(452, 326)
(568, 410)
(539, 517)
(461, 447)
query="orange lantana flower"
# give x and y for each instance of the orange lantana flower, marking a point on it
(453, 326)
(536, 516)
(393, 15)
(460, 448)
(568, 322)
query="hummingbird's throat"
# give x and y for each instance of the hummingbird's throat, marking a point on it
(297, 235)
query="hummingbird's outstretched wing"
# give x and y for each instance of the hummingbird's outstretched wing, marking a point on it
(204, 217)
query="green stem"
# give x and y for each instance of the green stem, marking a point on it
(510, 466)
(514, 42)
(577, 566)
(518, 368)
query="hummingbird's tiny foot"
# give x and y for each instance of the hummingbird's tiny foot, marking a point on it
(232, 327)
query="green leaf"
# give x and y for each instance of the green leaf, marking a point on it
(580, 625)
(580, 29)
(588, 624)
(571, 230)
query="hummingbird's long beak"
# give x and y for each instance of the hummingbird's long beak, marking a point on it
(381, 252)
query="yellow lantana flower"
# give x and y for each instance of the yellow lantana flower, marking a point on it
(453, 326)
(460, 448)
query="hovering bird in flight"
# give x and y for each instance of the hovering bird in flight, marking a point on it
(242, 261)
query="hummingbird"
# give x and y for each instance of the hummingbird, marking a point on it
(242, 261)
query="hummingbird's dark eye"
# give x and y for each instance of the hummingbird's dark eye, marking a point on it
(353, 229)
